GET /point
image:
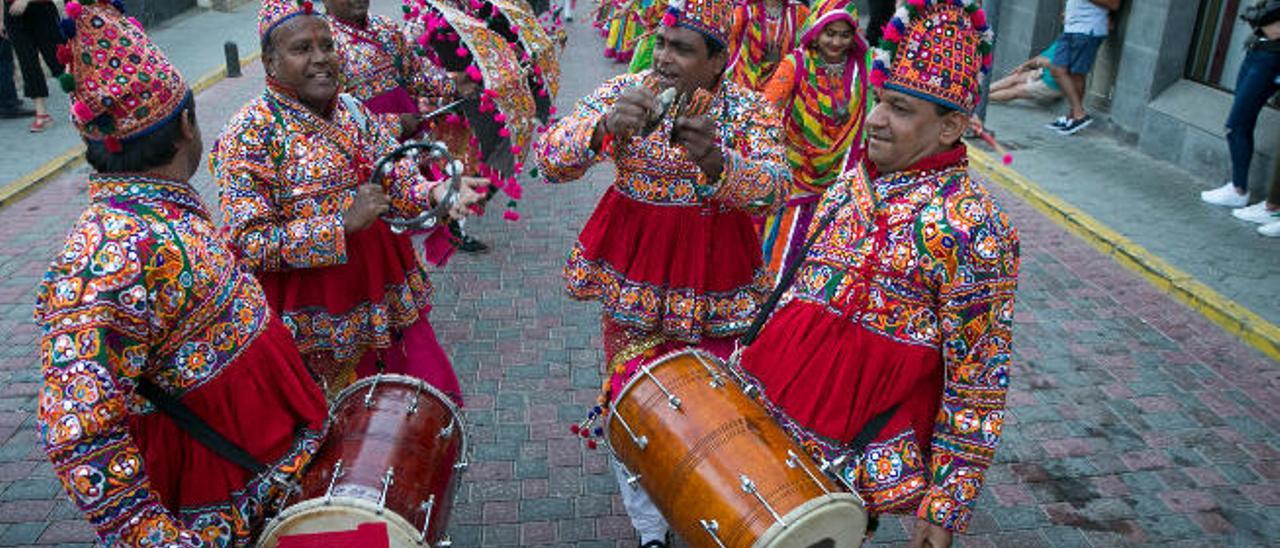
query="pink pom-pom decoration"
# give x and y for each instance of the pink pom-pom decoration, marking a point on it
(473, 72)
(1008, 159)
(504, 132)
(515, 29)
(986, 61)
(500, 118)
(917, 4)
(461, 52)
(878, 78)
(552, 110)
(74, 9)
(669, 19)
(513, 216)
(979, 19)
(82, 112)
(453, 119)
(514, 190)
(890, 33)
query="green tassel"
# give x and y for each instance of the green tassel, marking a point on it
(984, 47)
(404, 8)
(533, 173)
(67, 81)
(972, 7)
(511, 204)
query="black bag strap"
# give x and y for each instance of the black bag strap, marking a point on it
(192, 424)
(872, 429)
(788, 278)
(877, 423)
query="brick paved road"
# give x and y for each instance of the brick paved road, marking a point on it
(1134, 420)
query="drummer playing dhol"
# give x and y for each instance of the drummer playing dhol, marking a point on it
(671, 252)
(294, 167)
(898, 326)
(146, 292)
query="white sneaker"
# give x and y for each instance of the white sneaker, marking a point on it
(1225, 195)
(1270, 230)
(1257, 213)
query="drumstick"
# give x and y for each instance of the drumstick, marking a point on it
(976, 125)
(442, 109)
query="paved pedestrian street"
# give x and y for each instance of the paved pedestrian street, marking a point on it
(1134, 420)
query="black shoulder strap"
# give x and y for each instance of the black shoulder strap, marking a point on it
(788, 277)
(871, 430)
(192, 424)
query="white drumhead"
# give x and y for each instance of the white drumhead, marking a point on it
(836, 520)
(340, 514)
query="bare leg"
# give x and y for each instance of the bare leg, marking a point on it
(1074, 95)
(1077, 109)
(1009, 93)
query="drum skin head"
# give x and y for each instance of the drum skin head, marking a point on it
(832, 521)
(339, 514)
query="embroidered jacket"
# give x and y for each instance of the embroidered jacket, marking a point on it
(923, 258)
(656, 172)
(378, 58)
(286, 175)
(653, 173)
(145, 288)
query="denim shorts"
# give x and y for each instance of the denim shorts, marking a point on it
(1077, 52)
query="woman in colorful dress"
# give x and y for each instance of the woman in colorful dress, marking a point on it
(764, 31)
(821, 89)
(625, 29)
(293, 167)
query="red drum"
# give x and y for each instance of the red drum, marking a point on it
(722, 472)
(395, 450)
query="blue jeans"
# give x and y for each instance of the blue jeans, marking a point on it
(1254, 86)
(8, 93)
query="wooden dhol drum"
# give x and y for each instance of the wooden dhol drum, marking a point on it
(722, 472)
(395, 449)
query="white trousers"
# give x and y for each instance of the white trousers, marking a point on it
(645, 517)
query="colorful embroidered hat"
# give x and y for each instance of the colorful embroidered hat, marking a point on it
(936, 50)
(273, 13)
(826, 12)
(712, 18)
(121, 85)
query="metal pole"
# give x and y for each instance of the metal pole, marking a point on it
(233, 59)
(992, 7)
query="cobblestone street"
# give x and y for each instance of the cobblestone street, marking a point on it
(1134, 419)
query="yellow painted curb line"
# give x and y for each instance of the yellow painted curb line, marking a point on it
(12, 192)
(1228, 314)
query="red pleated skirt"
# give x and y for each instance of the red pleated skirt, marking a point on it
(830, 375)
(264, 401)
(346, 309)
(688, 271)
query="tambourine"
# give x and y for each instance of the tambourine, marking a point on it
(436, 151)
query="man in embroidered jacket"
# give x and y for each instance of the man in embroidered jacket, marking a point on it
(294, 169)
(671, 251)
(146, 290)
(380, 68)
(903, 307)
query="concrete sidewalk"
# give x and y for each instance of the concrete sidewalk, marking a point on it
(1117, 190)
(193, 41)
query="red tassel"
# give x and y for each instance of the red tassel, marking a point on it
(113, 145)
